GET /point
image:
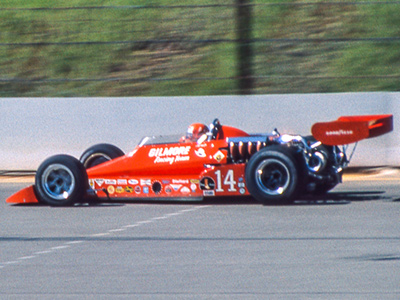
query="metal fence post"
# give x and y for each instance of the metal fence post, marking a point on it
(244, 47)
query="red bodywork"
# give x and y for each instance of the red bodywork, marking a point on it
(191, 171)
(172, 171)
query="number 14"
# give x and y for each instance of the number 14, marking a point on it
(229, 181)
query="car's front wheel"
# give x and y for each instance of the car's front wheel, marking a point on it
(99, 154)
(61, 180)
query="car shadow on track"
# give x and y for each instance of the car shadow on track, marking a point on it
(331, 198)
(336, 198)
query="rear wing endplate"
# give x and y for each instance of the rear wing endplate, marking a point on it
(351, 129)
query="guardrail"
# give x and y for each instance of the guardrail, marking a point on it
(34, 128)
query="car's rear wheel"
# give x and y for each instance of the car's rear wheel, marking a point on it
(325, 167)
(272, 176)
(61, 180)
(99, 154)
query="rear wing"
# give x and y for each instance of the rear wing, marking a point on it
(351, 129)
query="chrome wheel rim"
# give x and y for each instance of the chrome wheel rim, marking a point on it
(272, 176)
(58, 182)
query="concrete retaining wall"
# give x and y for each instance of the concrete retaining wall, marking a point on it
(35, 128)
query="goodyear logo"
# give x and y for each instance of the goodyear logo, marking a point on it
(339, 132)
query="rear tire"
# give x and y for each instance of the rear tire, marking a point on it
(272, 176)
(61, 180)
(323, 187)
(99, 154)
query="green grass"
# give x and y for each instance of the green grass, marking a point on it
(183, 68)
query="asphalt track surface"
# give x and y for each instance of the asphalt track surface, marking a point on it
(345, 245)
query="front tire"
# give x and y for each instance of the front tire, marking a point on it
(99, 154)
(272, 176)
(61, 180)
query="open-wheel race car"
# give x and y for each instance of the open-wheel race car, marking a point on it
(212, 161)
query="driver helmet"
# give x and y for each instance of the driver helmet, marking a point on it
(195, 131)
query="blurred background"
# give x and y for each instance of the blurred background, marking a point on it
(198, 47)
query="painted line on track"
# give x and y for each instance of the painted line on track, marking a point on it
(79, 241)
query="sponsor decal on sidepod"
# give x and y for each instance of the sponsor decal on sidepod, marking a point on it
(170, 154)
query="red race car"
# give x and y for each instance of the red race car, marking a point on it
(210, 161)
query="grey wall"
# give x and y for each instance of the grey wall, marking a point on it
(35, 128)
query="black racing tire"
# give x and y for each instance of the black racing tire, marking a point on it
(61, 180)
(272, 176)
(99, 154)
(322, 188)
